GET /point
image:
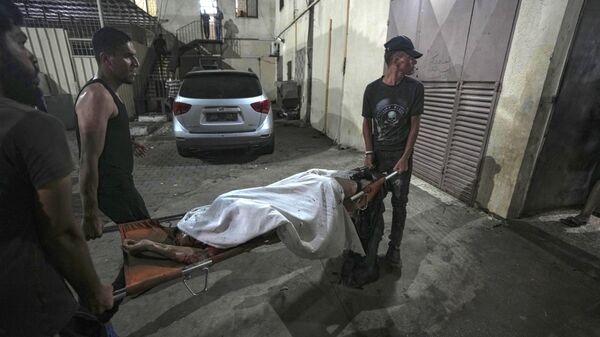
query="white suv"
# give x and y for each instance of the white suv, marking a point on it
(222, 109)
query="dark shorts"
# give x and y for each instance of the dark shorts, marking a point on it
(120, 200)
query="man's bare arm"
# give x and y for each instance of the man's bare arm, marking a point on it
(94, 108)
(415, 124)
(63, 241)
(368, 139)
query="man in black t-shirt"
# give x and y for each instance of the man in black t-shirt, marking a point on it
(392, 106)
(40, 242)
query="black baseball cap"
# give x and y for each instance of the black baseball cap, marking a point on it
(402, 43)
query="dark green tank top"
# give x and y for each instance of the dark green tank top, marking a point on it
(116, 160)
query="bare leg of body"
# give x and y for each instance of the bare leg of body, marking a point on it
(180, 254)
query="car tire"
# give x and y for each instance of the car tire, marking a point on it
(184, 152)
(269, 148)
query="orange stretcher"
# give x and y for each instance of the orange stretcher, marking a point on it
(145, 273)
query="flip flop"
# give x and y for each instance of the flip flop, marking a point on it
(573, 222)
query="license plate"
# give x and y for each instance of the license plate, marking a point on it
(221, 117)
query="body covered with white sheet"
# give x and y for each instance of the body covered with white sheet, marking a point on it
(306, 209)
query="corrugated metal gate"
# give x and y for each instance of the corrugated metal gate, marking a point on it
(464, 44)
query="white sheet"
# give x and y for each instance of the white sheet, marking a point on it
(306, 209)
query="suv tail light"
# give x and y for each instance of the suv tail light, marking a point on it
(262, 106)
(181, 108)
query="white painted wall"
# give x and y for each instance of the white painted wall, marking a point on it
(367, 35)
(341, 117)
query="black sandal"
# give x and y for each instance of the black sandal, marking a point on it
(573, 222)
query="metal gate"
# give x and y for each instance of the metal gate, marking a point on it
(464, 44)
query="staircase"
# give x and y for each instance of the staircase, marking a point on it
(192, 52)
(156, 93)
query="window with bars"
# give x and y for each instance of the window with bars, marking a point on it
(149, 6)
(208, 6)
(246, 8)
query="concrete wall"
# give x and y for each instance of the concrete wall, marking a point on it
(532, 73)
(366, 37)
(358, 38)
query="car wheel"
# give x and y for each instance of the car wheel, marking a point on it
(184, 152)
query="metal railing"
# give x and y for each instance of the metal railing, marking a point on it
(196, 30)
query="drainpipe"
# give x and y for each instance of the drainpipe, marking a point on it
(100, 16)
(309, 65)
(314, 2)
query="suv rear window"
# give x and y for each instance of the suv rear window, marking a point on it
(220, 86)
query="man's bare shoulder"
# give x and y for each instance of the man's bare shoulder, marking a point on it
(95, 98)
(94, 92)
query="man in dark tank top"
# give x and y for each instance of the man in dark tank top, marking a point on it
(105, 145)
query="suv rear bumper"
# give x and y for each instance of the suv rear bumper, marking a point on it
(193, 142)
(207, 144)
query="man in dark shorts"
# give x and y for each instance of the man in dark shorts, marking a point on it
(392, 106)
(40, 242)
(106, 146)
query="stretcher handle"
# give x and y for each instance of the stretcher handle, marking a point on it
(186, 272)
(119, 294)
(362, 193)
(187, 275)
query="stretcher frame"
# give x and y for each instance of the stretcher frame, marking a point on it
(170, 271)
(184, 272)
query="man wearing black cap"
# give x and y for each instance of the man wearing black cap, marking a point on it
(392, 106)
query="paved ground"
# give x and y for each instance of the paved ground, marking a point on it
(464, 274)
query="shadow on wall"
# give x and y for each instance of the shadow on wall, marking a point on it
(489, 170)
(231, 47)
(327, 120)
(330, 73)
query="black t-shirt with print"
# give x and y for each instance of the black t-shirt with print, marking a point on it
(35, 300)
(391, 109)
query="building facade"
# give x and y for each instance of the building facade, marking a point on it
(506, 126)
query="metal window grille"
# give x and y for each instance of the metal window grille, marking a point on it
(246, 8)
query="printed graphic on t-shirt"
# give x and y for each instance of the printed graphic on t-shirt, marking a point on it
(389, 119)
